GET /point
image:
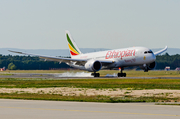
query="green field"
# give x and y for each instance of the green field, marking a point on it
(129, 84)
(91, 83)
(95, 83)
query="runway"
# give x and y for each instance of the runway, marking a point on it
(56, 76)
(28, 109)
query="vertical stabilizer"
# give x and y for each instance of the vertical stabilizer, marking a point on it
(74, 50)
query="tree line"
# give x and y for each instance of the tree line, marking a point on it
(35, 63)
(29, 63)
(168, 60)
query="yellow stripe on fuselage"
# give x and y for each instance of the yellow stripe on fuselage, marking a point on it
(72, 49)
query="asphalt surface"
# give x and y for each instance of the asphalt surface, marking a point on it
(58, 76)
(28, 109)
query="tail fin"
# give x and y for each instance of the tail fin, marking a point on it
(74, 50)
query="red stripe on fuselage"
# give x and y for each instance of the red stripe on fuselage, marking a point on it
(72, 53)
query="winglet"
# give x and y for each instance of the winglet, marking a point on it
(74, 50)
(160, 51)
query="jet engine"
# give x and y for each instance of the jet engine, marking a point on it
(93, 65)
(148, 66)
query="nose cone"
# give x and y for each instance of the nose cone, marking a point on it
(150, 57)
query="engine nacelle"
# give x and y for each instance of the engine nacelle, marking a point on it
(151, 66)
(93, 65)
(148, 66)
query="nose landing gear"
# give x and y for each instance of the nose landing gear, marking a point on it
(121, 74)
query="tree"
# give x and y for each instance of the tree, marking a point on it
(11, 66)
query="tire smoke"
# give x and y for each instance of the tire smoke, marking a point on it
(77, 74)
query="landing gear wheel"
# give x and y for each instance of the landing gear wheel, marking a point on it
(95, 74)
(121, 74)
(124, 74)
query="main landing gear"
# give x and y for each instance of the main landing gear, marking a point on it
(95, 74)
(121, 74)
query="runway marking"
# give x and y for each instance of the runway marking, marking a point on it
(91, 111)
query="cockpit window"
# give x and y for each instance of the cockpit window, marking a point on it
(148, 52)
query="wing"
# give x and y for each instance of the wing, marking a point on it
(50, 58)
(60, 59)
(160, 51)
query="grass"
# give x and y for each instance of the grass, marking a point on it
(81, 98)
(91, 83)
(6, 74)
(129, 84)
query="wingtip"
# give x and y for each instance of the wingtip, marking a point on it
(11, 51)
(166, 47)
(66, 31)
(15, 52)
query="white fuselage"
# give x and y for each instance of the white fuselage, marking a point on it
(133, 56)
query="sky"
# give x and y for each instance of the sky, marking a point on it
(111, 24)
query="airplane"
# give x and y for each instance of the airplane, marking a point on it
(109, 59)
